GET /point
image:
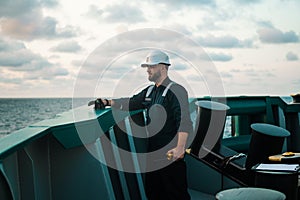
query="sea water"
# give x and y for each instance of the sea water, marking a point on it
(17, 113)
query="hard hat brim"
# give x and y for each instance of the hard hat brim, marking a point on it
(150, 64)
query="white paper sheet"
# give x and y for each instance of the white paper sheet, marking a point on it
(278, 167)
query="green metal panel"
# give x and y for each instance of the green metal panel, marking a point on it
(107, 178)
(244, 105)
(205, 179)
(76, 174)
(5, 192)
(119, 166)
(241, 124)
(136, 161)
(198, 181)
(12, 142)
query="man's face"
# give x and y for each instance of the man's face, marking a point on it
(154, 72)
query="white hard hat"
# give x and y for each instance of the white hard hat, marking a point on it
(156, 57)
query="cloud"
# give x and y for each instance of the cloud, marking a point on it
(49, 3)
(94, 12)
(246, 2)
(68, 47)
(265, 24)
(25, 20)
(208, 23)
(10, 45)
(17, 59)
(220, 57)
(17, 8)
(226, 41)
(131, 48)
(290, 56)
(20, 8)
(16, 55)
(35, 26)
(226, 74)
(117, 13)
(253, 72)
(181, 28)
(273, 35)
(174, 4)
(4, 78)
(12, 9)
(46, 73)
(179, 67)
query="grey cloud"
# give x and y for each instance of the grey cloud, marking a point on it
(246, 2)
(290, 56)
(10, 45)
(24, 20)
(55, 71)
(14, 81)
(35, 26)
(226, 75)
(60, 72)
(220, 57)
(16, 57)
(179, 67)
(49, 3)
(179, 3)
(14, 54)
(117, 13)
(48, 73)
(4, 79)
(69, 46)
(224, 42)
(252, 72)
(273, 35)
(19, 8)
(16, 8)
(265, 24)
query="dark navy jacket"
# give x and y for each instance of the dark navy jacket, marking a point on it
(166, 115)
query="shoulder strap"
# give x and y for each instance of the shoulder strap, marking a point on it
(167, 89)
(150, 88)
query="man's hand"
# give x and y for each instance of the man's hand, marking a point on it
(176, 153)
(179, 150)
(99, 103)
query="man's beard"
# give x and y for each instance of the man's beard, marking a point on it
(154, 77)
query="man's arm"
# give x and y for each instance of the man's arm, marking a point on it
(179, 150)
(133, 103)
(183, 120)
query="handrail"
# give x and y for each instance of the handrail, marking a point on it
(85, 116)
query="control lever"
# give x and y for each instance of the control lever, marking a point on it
(227, 160)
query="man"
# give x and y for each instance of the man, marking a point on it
(166, 103)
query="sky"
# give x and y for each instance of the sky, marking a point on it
(66, 48)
